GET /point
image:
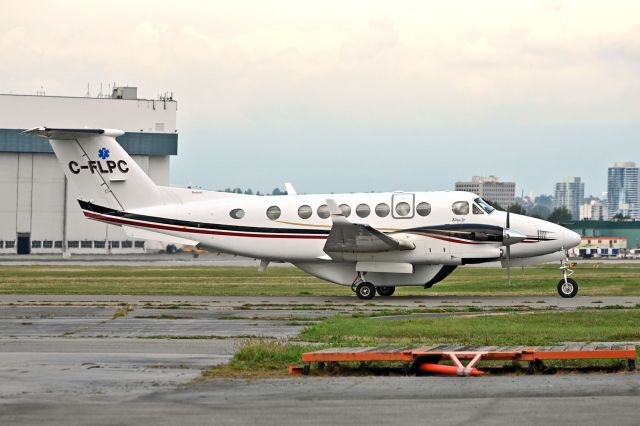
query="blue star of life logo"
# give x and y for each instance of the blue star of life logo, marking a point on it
(103, 153)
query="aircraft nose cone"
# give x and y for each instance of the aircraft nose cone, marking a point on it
(570, 239)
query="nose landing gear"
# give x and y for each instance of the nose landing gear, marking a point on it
(567, 287)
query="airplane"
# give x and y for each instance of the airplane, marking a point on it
(373, 242)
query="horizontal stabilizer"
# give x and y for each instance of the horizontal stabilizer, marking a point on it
(71, 134)
(156, 236)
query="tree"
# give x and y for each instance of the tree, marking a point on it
(278, 191)
(560, 215)
(517, 209)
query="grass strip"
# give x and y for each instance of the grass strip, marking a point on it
(594, 279)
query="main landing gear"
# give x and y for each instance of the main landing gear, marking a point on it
(567, 287)
(366, 290)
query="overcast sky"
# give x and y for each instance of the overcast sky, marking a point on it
(355, 95)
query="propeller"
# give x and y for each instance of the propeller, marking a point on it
(508, 251)
(509, 237)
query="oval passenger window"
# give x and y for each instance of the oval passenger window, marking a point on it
(273, 212)
(382, 210)
(323, 211)
(423, 209)
(403, 209)
(305, 212)
(346, 210)
(363, 210)
(237, 213)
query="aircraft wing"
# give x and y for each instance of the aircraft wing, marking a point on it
(348, 237)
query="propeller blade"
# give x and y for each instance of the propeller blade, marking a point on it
(508, 221)
(509, 264)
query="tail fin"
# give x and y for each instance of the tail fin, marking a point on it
(99, 168)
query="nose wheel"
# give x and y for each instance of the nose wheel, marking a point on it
(567, 287)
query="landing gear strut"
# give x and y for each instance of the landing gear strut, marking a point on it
(567, 287)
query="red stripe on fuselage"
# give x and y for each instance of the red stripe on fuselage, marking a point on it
(102, 218)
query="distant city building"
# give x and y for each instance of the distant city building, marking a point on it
(622, 190)
(594, 210)
(570, 194)
(490, 188)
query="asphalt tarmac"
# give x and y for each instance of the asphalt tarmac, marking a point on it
(65, 360)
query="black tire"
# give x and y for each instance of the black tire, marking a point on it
(386, 291)
(568, 289)
(365, 291)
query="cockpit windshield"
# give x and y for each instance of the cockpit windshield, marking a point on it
(484, 205)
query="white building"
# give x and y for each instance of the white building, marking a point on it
(594, 210)
(490, 188)
(39, 212)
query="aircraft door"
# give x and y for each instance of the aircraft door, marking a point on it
(402, 205)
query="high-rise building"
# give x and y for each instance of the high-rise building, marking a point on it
(570, 194)
(622, 190)
(490, 188)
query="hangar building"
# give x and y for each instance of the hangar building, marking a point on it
(38, 209)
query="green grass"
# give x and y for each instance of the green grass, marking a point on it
(539, 328)
(259, 358)
(607, 279)
(262, 358)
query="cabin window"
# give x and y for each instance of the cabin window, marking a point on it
(47, 244)
(273, 212)
(237, 213)
(305, 212)
(460, 207)
(403, 209)
(36, 244)
(423, 209)
(477, 210)
(114, 244)
(127, 244)
(383, 210)
(363, 210)
(323, 211)
(346, 210)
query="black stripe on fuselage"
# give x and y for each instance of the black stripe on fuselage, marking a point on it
(175, 222)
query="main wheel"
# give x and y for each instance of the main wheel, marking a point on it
(568, 288)
(365, 291)
(385, 291)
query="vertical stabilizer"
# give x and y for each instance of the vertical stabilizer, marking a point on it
(100, 170)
